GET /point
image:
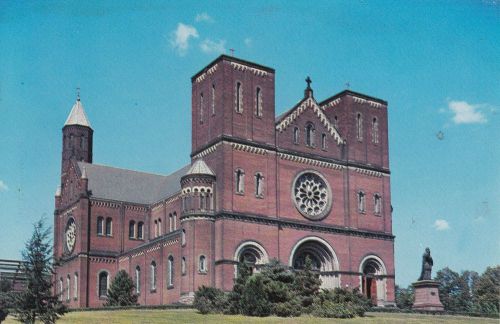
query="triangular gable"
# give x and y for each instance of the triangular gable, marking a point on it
(309, 103)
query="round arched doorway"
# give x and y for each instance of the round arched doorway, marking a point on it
(373, 281)
(323, 259)
(252, 254)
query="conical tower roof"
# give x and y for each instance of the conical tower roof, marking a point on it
(200, 167)
(77, 115)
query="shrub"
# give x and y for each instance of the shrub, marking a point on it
(289, 308)
(331, 309)
(340, 303)
(210, 300)
(254, 301)
(121, 291)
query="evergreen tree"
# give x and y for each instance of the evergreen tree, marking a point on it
(37, 300)
(244, 272)
(307, 284)
(121, 291)
(405, 297)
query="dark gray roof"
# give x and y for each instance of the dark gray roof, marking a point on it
(131, 186)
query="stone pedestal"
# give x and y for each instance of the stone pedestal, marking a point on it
(427, 296)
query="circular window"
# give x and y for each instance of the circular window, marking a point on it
(70, 235)
(312, 195)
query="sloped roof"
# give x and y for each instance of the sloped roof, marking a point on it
(77, 116)
(200, 167)
(131, 186)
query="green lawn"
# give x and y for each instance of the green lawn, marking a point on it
(191, 316)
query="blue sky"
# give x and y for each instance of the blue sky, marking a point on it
(437, 63)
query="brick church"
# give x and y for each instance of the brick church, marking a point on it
(313, 182)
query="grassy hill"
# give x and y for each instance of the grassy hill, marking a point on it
(191, 316)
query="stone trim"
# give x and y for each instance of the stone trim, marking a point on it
(309, 161)
(243, 68)
(306, 226)
(370, 173)
(210, 71)
(249, 148)
(196, 217)
(136, 208)
(207, 151)
(372, 103)
(101, 260)
(104, 203)
(332, 103)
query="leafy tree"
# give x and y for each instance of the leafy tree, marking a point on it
(405, 297)
(306, 284)
(487, 290)
(5, 285)
(37, 300)
(453, 290)
(121, 291)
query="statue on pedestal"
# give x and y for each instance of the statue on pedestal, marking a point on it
(426, 289)
(427, 264)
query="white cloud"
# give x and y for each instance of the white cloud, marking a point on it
(441, 225)
(203, 17)
(180, 38)
(3, 186)
(248, 42)
(208, 46)
(465, 113)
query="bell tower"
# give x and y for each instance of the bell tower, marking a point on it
(77, 137)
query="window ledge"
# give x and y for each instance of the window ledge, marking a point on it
(202, 272)
(239, 193)
(259, 196)
(170, 287)
(153, 291)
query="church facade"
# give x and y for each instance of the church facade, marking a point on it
(313, 182)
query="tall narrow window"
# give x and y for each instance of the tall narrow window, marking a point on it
(140, 230)
(323, 141)
(156, 228)
(109, 226)
(213, 99)
(377, 201)
(201, 107)
(375, 130)
(183, 237)
(81, 141)
(170, 274)
(295, 135)
(171, 222)
(361, 201)
(103, 284)
(131, 229)
(175, 220)
(259, 185)
(100, 225)
(310, 135)
(137, 280)
(153, 276)
(240, 181)
(336, 122)
(75, 286)
(202, 264)
(68, 284)
(359, 127)
(183, 265)
(258, 102)
(160, 229)
(239, 97)
(61, 289)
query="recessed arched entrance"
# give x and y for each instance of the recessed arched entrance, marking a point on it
(252, 254)
(323, 258)
(373, 281)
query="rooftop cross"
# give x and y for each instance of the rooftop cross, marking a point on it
(232, 51)
(309, 81)
(78, 94)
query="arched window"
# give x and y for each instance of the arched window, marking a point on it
(171, 222)
(377, 203)
(361, 201)
(81, 141)
(137, 280)
(183, 237)
(131, 229)
(183, 265)
(240, 181)
(259, 185)
(156, 228)
(140, 230)
(71, 140)
(109, 226)
(202, 264)
(68, 284)
(239, 97)
(336, 122)
(170, 271)
(100, 225)
(213, 99)
(258, 102)
(359, 127)
(75, 286)
(175, 220)
(323, 141)
(295, 135)
(202, 200)
(160, 230)
(310, 135)
(103, 284)
(153, 276)
(201, 107)
(61, 289)
(375, 130)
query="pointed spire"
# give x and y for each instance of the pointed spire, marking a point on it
(58, 191)
(84, 173)
(77, 115)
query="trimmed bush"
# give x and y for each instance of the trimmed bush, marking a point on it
(210, 300)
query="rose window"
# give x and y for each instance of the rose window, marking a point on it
(312, 195)
(70, 235)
